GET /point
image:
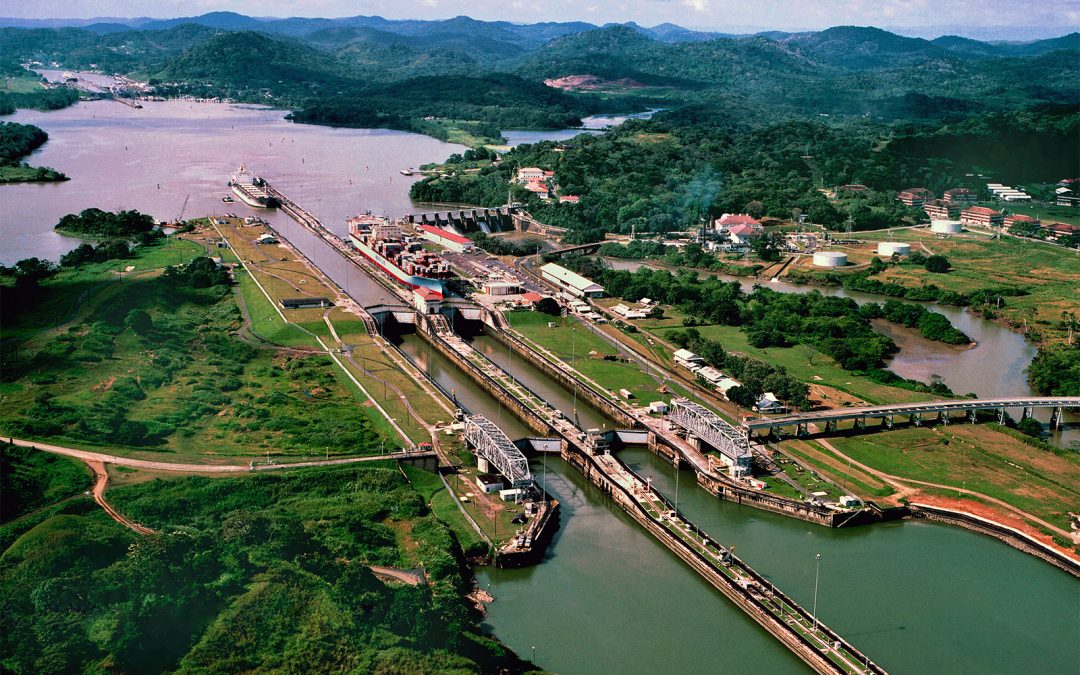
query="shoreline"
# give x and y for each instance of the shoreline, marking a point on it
(1022, 541)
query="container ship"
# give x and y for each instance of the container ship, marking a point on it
(398, 254)
(251, 189)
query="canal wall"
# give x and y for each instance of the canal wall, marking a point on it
(723, 488)
(1014, 538)
(526, 415)
(592, 396)
(748, 597)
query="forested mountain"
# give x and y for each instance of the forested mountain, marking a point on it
(374, 71)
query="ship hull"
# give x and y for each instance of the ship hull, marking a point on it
(410, 280)
(248, 199)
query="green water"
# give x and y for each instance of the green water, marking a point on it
(916, 597)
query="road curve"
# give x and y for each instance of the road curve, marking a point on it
(87, 456)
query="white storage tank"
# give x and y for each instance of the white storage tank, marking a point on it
(946, 226)
(830, 259)
(891, 248)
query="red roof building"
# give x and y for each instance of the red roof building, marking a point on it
(854, 187)
(729, 220)
(1061, 229)
(912, 198)
(939, 209)
(960, 197)
(445, 238)
(569, 199)
(1020, 219)
(981, 216)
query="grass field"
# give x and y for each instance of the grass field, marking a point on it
(857, 482)
(22, 85)
(189, 387)
(577, 344)
(18, 173)
(979, 458)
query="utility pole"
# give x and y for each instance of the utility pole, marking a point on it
(817, 575)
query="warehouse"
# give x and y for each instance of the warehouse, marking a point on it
(571, 281)
(448, 240)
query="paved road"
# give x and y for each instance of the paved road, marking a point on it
(88, 457)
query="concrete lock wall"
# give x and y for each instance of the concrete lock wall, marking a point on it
(530, 418)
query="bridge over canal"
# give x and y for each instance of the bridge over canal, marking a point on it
(916, 413)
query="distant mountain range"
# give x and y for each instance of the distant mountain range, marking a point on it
(346, 70)
(526, 36)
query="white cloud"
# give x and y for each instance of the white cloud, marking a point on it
(697, 5)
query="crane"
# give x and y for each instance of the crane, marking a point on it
(180, 218)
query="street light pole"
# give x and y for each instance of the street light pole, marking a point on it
(817, 576)
(676, 485)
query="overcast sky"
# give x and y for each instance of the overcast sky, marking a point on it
(975, 17)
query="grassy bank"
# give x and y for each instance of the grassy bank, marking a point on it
(576, 344)
(979, 458)
(77, 371)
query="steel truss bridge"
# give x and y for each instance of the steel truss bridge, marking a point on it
(915, 413)
(732, 443)
(491, 443)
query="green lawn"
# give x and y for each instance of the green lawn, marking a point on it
(22, 85)
(573, 343)
(444, 507)
(266, 322)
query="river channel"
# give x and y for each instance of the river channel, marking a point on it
(994, 367)
(916, 597)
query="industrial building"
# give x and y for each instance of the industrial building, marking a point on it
(1007, 194)
(830, 259)
(571, 282)
(448, 240)
(629, 312)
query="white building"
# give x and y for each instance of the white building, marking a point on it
(688, 359)
(448, 240)
(711, 375)
(571, 281)
(530, 173)
(727, 384)
(500, 288)
(628, 312)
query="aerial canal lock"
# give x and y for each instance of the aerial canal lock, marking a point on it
(591, 452)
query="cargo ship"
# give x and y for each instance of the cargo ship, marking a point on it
(398, 254)
(251, 189)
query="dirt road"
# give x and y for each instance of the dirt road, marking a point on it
(87, 456)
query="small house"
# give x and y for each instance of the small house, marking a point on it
(490, 483)
(768, 403)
